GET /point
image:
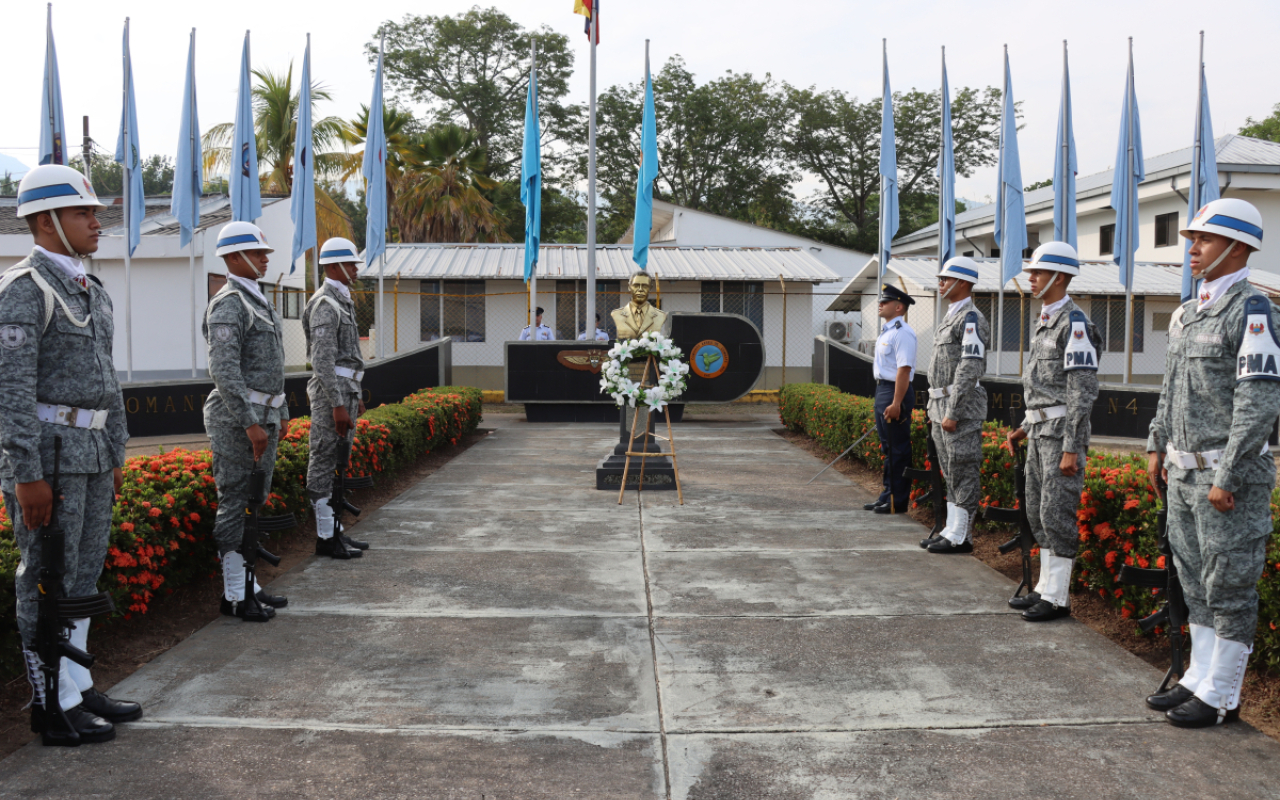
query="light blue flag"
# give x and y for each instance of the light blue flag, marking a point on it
(1011, 217)
(127, 152)
(946, 178)
(888, 174)
(53, 133)
(647, 175)
(302, 204)
(1204, 181)
(1064, 166)
(1124, 186)
(246, 196)
(531, 178)
(375, 174)
(188, 169)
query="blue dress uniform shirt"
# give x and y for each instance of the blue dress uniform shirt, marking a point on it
(896, 348)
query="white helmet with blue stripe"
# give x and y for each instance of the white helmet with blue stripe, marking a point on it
(237, 236)
(339, 251)
(51, 186)
(1229, 217)
(966, 269)
(1055, 257)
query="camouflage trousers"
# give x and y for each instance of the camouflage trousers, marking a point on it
(1220, 556)
(85, 516)
(1053, 498)
(232, 464)
(324, 447)
(960, 457)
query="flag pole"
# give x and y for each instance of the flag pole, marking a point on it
(1197, 177)
(533, 275)
(382, 257)
(1066, 155)
(191, 254)
(1127, 255)
(591, 183)
(942, 247)
(315, 251)
(48, 88)
(880, 248)
(1004, 226)
(128, 181)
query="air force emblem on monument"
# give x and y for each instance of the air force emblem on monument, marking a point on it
(709, 359)
(584, 360)
(12, 337)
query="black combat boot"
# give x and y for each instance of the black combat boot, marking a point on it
(97, 703)
(248, 610)
(333, 547)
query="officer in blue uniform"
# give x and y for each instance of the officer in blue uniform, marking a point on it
(895, 369)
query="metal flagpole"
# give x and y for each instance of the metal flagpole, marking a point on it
(191, 255)
(128, 181)
(382, 334)
(1197, 176)
(1066, 148)
(1004, 228)
(533, 276)
(937, 295)
(591, 185)
(315, 251)
(1130, 208)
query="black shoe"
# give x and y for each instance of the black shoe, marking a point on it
(1044, 611)
(1026, 601)
(1195, 713)
(354, 544)
(1171, 699)
(926, 542)
(74, 727)
(97, 703)
(334, 548)
(249, 611)
(872, 505)
(273, 600)
(897, 508)
(945, 547)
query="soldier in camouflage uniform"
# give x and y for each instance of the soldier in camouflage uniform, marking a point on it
(1059, 387)
(58, 380)
(958, 403)
(246, 409)
(333, 347)
(1218, 406)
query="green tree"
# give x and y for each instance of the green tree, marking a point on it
(401, 130)
(444, 197)
(1266, 128)
(472, 69)
(1038, 185)
(107, 176)
(8, 185)
(564, 216)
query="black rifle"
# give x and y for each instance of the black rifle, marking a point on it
(1173, 614)
(937, 491)
(55, 614)
(1017, 516)
(250, 548)
(341, 483)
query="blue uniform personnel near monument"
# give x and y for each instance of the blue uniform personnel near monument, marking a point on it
(538, 332)
(895, 369)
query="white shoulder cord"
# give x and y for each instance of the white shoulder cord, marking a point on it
(49, 296)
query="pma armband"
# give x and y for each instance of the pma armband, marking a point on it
(1080, 353)
(972, 346)
(1259, 356)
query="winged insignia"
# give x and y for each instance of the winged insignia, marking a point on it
(584, 360)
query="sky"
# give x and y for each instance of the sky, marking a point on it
(831, 44)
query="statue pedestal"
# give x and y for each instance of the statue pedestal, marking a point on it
(659, 473)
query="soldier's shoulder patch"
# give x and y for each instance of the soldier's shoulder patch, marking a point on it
(12, 337)
(1080, 352)
(223, 333)
(971, 346)
(1259, 355)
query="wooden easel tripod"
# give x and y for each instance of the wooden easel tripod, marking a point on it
(650, 363)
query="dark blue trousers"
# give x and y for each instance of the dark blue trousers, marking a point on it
(895, 440)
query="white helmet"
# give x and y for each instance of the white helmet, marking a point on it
(966, 269)
(338, 251)
(51, 186)
(1229, 217)
(237, 236)
(1056, 257)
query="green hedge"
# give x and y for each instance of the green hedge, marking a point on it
(162, 525)
(1116, 518)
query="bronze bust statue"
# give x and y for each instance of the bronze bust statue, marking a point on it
(638, 317)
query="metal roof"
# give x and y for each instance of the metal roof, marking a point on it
(569, 262)
(1235, 153)
(214, 210)
(919, 276)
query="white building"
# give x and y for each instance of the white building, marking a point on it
(168, 294)
(477, 294)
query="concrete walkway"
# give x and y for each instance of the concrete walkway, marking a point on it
(517, 634)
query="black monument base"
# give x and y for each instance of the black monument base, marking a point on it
(583, 412)
(659, 474)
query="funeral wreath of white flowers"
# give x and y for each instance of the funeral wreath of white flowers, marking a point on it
(669, 383)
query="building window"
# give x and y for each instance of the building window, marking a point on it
(735, 297)
(1107, 312)
(453, 308)
(1167, 229)
(216, 282)
(968, 254)
(1160, 321)
(1106, 240)
(291, 302)
(1017, 320)
(571, 308)
(995, 252)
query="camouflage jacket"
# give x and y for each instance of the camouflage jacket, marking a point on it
(1202, 405)
(1047, 383)
(59, 363)
(246, 352)
(959, 360)
(333, 340)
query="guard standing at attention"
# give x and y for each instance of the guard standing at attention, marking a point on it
(537, 332)
(333, 348)
(600, 336)
(246, 409)
(1218, 406)
(895, 368)
(1059, 387)
(958, 403)
(58, 379)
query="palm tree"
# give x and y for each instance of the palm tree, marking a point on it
(401, 130)
(275, 128)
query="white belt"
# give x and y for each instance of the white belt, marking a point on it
(344, 372)
(1210, 459)
(264, 399)
(1037, 415)
(934, 394)
(93, 419)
